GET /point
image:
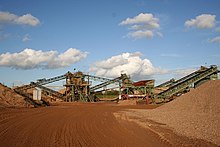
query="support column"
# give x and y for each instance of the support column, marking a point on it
(73, 93)
(119, 91)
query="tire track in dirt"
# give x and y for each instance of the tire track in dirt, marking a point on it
(73, 125)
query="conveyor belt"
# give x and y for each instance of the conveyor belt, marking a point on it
(21, 90)
(185, 78)
(105, 83)
(166, 84)
(97, 78)
(29, 98)
(42, 82)
(188, 80)
(52, 92)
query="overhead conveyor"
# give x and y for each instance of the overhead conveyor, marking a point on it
(76, 85)
(105, 83)
(41, 82)
(52, 92)
(166, 84)
(173, 82)
(188, 76)
(29, 97)
(96, 78)
(122, 79)
(186, 81)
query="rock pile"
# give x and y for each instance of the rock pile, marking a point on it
(195, 114)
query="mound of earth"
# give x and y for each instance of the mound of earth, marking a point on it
(195, 114)
(9, 98)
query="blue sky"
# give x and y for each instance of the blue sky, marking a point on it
(146, 39)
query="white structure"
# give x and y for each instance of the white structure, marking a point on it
(37, 94)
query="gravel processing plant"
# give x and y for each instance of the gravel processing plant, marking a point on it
(99, 111)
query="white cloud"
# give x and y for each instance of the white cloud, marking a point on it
(141, 34)
(203, 21)
(67, 58)
(30, 59)
(215, 40)
(26, 38)
(27, 19)
(129, 63)
(143, 25)
(147, 19)
(6, 17)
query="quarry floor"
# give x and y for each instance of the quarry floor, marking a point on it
(80, 124)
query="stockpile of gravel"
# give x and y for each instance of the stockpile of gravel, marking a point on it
(195, 114)
(8, 98)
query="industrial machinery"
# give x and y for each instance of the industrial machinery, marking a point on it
(78, 86)
(139, 89)
(77, 89)
(194, 79)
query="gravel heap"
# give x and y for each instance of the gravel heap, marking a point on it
(195, 114)
(9, 98)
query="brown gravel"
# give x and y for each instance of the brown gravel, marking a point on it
(195, 114)
(8, 98)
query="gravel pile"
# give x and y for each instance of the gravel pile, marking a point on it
(8, 98)
(195, 114)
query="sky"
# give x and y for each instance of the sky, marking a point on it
(147, 39)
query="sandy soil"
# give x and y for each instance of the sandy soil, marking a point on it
(9, 98)
(195, 114)
(78, 124)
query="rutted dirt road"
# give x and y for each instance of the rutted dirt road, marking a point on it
(78, 125)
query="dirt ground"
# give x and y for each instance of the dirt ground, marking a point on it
(77, 124)
(195, 114)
